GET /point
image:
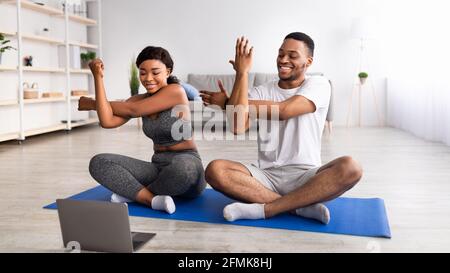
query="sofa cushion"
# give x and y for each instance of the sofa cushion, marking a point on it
(191, 92)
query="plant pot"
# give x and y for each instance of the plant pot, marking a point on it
(1, 58)
(85, 64)
(362, 80)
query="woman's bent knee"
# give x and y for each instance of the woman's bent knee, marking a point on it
(96, 163)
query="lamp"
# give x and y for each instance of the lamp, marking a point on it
(363, 29)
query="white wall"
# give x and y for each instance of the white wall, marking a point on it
(200, 35)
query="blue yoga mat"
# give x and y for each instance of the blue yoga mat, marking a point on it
(351, 216)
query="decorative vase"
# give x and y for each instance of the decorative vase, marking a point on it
(362, 80)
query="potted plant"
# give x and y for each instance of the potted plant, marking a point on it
(86, 58)
(363, 77)
(3, 45)
(134, 84)
(134, 79)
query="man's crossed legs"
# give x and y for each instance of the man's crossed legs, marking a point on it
(236, 181)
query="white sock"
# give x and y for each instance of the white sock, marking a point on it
(317, 211)
(115, 198)
(238, 211)
(163, 202)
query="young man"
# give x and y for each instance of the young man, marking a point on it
(289, 177)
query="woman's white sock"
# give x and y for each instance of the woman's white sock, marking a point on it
(163, 202)
(115, 198)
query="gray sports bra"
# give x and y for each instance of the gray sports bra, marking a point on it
(167, 130)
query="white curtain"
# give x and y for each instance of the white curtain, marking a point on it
(420, 106)
(416, 47)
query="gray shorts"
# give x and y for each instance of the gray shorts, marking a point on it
(284, 179)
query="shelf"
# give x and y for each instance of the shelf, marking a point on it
(9, 103)
(80, 71)
(52, 11)
(8, 33)
(43, 69)
(9, 136)
(35, 7)
(82, 20)
(49, 40)
(7, 68)
(76, 98)
(36, 38)
(43, 130)
(44, 39)
(33, 69)
(43, 100)
(86, 122)
(83, 45)
(31, 101)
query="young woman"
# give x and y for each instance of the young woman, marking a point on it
(176, 168)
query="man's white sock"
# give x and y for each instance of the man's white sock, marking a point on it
(238, 211)
(317, 211)
(163, 202)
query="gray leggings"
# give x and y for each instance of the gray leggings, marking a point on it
(169, 173)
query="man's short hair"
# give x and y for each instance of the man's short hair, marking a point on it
(302, 37)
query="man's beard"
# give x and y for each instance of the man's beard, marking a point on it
(290, 78)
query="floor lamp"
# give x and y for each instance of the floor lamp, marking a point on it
(363, 30)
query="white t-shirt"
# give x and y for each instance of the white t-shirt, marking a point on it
(297, 140)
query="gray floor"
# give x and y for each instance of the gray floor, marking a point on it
(411, 175)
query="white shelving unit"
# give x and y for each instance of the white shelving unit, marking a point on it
(91, 42)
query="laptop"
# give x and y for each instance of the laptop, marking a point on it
(98, 226)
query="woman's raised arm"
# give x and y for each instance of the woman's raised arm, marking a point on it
(104, 111)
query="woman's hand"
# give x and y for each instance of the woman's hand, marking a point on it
(86, 104)
(97, 68)
(243, 59)
(215, 98)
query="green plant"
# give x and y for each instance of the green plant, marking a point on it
(134, 79)
(363, 75)
(88, 56)
(3, 42)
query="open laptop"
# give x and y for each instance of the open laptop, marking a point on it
(99, 226)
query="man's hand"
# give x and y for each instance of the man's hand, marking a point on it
(216, 98)
(97, 68)
(86, 104)
(243, 59)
